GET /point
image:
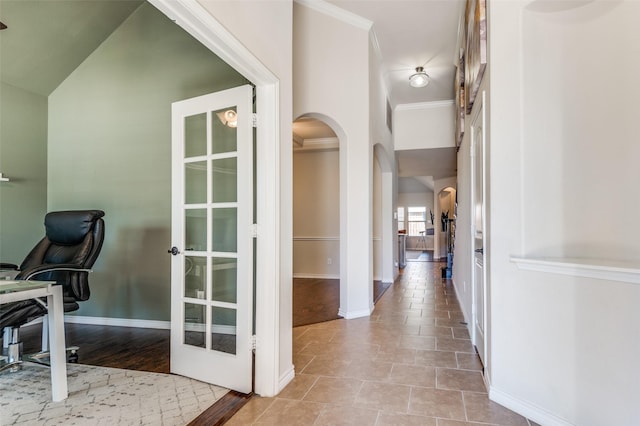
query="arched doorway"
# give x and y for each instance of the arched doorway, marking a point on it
(316, 222)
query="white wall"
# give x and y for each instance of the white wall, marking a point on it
(423, 126)
(331, 61)
(563, 174)
(416, 199)
(316, 214)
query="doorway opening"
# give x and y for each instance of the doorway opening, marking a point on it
(316, 222)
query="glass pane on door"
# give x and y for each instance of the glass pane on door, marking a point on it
(223, 282)
(194, 325)
(224, 233)
(195, 229)
(225, 180)
(195, 182)
(223, 330)
(195, 277)
(195, 135)
(223, 127)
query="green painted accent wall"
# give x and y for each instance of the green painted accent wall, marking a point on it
(110, 149)
(23, 159)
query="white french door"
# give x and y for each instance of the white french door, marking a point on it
(211, 233)
(478, 215)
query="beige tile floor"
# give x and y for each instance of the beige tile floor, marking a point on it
(410, 363)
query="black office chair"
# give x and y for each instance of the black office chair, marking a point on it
(65, 255)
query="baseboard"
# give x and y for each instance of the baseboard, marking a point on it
(464, 312)
(355, 314)
(317, 276)
(118, 322)
(526, 409)
(286, 378)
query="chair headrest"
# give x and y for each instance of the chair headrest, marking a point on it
(70, 227)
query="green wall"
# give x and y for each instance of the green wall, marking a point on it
(23, 159)
(110, 148)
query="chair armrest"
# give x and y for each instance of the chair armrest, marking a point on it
(29, 273)
(10, 266)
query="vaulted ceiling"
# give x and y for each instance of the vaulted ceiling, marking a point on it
(46, 40)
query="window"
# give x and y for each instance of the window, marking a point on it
(417, 220)
(401, 225)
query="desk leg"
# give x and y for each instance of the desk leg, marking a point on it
(57, 345)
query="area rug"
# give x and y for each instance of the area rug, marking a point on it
(103, 396)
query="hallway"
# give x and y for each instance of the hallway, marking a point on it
(410, 363)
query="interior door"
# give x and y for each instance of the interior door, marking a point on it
(478, 174)
(211, 233)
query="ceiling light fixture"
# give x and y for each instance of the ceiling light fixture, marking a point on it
(229, 118)
(419, 79)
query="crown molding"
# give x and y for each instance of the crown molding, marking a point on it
(424, 105)
(318, 144)
(298, 140)
(337, 13)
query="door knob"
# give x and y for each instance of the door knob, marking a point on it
(174, 251)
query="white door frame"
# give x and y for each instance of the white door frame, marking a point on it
(199, 23)
(479, 116)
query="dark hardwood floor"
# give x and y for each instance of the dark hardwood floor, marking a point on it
(130, 348)
(318, 299)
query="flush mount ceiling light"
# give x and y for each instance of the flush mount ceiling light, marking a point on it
(229, 118)
(419, 79)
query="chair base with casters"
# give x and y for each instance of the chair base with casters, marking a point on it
(13, 357)
(65, 255)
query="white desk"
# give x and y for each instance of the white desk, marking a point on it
(13, 291)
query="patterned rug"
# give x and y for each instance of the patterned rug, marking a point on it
(103, 396)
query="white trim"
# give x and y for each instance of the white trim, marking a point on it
(373, 37)
(355, 314)
(269, 275)
(317, 144)
(217, 329)
(627, 272)
(287, 377)
(316, 276)
(117, 322)
(316, 238)
(137, 323)
(526, 409)
(337, 13)
(198, 22)
(423, 105)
